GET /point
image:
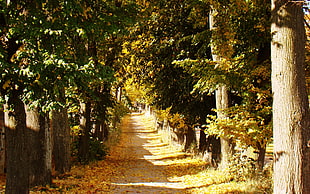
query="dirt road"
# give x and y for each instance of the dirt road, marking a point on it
(141, 163)
(140, 153)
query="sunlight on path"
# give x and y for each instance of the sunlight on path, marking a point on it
(140, 152)
(142, 163)
(139, 163)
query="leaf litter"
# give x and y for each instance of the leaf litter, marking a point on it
(142, 163)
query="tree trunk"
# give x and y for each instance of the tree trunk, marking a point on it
(119, 94)
(2, 141)
(261, 156)
(214, 146)
(40, 147)
(202, 141)
(290, 102)
(227, 146)
(222, 102)
(105, 129)
(101, 130)
(227, 150)
(61, 140)
(98, 130)
(190, 138)
(17, 154)
(85, 127)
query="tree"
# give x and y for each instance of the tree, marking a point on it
(85, 127)
(171, 30)
(28, 137)
(222, 102)
(39, 146)
(291, 122)
(39, 62)
(96, 50)
(240, 45)
(17, 172)
(61, 140)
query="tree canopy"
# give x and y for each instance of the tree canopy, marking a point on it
(60, 53)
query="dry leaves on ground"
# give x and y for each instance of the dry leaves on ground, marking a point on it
(142, 162)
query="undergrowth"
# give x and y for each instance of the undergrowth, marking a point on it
(193, 173)
(199, 178)
(242, 175)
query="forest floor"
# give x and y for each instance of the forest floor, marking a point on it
(141, 163)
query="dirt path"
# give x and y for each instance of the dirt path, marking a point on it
(141, 163)
(138, 163)
(140, 153)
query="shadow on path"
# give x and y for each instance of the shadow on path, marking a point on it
(137, 152)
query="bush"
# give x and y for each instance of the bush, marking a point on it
(97, 150)
(117, 113)
(242, 167)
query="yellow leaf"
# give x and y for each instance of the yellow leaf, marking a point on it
(6, 84)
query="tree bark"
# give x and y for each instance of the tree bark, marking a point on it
(17, 153)
(202, 141)
(261, 156)
(190, 138)
(2, 141)
(85, 127)
(222, 102)
(105, 129)
(40, 147)
(102, 131)
(98, 130)
(290, 102)
(61, 140)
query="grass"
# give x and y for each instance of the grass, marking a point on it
(199, 178)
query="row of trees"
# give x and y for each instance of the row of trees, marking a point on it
(189, 57)
(194, 56)
(56, 56)
(186, 59)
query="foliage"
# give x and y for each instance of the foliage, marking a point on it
(116, 113)
(241, 167)
(138, 93)
(161, 115)
(241, 38)
(170, 30)
(97, 149)
(50, 46)
(181, 171)
(244, 127)
(178, 123)
(242, 27)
